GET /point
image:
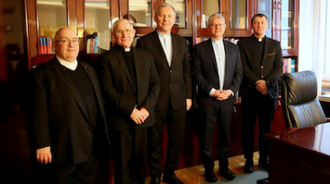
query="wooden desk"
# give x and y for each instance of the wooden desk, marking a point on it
(300, 155)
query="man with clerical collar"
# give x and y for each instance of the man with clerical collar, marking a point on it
(217, 70)
(130, 86)
(173, 66)
(65, 114)
(262, 67)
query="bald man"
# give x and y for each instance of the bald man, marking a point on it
(65, 112)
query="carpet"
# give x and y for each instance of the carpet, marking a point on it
(244, 178)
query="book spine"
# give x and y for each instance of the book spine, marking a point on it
(95, 45)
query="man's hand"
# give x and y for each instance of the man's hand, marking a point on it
(264, 92)
(137, 116)
(43, 155)
(224, 95)
(216, 94)
(188, 103)
(261, 85)
(145, 113)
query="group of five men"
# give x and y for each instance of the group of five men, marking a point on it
(136, 91)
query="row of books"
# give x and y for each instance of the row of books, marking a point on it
(91, 45)
(289, 65)
(46, 45)
(98, 42)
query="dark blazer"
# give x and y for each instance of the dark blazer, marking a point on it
(55, 112)
(176, 85)
(121, 95)
(269, 68)
(205, 70)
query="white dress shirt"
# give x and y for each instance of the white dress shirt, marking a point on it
(166, 41)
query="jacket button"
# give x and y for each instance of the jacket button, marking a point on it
(262, 76)
(262, 67)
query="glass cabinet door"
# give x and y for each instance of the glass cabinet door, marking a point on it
(140, 13)
(238, 14)
(287, 26)
(97, 26)
(204, 9)
(265, 7)
(51, 16)
(180, 9)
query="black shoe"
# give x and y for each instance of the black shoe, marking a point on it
(172, 179)
(248, 167)
(210, 176)
(155, 181)
(226, 173)
(264, 164)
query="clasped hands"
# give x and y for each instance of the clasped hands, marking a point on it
(139, 116)
(261, 86)
(221, 94)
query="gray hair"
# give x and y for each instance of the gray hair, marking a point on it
(164, 5)
(216, 15)
(121, 20)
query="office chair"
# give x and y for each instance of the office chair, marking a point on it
(300, 107)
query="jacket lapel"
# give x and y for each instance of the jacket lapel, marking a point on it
(124, 66)
(96, 87)
(211, 53)
(69, 83)
(159, 46)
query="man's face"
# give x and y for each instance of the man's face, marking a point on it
(124, 34)
(66, 44)
(259, 26)
(165, 19)
(217, 27)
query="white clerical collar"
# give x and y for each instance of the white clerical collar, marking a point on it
(217, 41)
(70, 65)
(162, 34)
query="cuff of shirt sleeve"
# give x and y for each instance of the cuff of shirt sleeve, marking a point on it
(211, 92)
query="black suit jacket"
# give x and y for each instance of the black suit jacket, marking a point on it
(176, 85)
(55, 112)
(205, 70)
(269, 68)
(120, 93)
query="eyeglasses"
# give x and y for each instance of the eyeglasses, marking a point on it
(66, 41)
(216, 25)
(127, 31)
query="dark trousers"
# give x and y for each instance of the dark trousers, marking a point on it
(81, 173)
(220, 113)
(175, 121)
(263, 107)
(129, 155)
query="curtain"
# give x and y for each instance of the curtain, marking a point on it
(312, 37)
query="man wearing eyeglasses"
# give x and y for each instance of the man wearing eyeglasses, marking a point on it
(130, 84)
(65, 113)
(217, 70)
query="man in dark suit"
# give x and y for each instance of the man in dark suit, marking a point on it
(217, 70)
(262, 67)
(131, 86)
(171, 59)
(64, 111)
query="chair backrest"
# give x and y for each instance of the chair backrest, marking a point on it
(300, 107)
